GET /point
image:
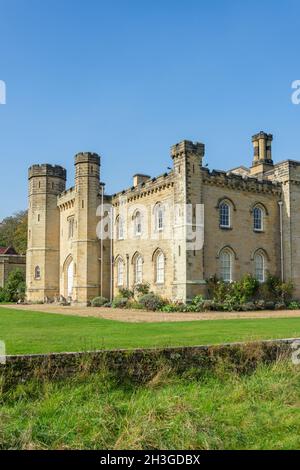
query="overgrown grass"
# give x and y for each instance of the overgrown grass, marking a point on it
(220, 410)
(33, 332)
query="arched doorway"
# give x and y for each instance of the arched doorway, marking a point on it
(70, 279)
(68, 273)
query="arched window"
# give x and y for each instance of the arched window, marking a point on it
(138, 270)
(120, 228)
(37, 272)
(137, 223)
(258, 219)
(160, 268)
(71, 222)
(120, 269)
(259, 267)
(159, 217)
(224, 215)
(226, 266)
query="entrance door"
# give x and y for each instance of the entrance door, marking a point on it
(70, 278)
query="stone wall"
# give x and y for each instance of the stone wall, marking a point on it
(9, 263)
(140, 365)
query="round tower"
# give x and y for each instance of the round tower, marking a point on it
(45, 183)
(87, 246)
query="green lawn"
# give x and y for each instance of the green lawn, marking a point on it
(34, 332)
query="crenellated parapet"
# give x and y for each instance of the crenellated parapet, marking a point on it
(240, 182)
(46, 169)
(146, 188)
(187, 147)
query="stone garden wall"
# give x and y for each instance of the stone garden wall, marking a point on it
(141, 365)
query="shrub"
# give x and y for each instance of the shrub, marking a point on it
(126, 293)
(143, 288)
(15, 286)
(119, 302)
(99, 301)
(151, 301)
(4, 296)
(294, 305)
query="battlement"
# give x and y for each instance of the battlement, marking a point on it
(55, 171)
(240, 182)
(87, 157)
(262, 135)
(187, 147)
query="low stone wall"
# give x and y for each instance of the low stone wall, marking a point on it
(140, 365)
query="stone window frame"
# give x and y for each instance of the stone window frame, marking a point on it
(263, 253)
(159, 253)
(264, 213)
(37, 273)
(138, 261)
(120, 262)
(232, 258)
(231, 207)
(159, 217)
(71, 225)
(119, 225)
(137, 224)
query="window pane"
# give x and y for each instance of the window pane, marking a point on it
(160, 268)
(225, 267)
(139, 270)
(224, 215)
(257, 218)
(120, 273)
(138, 224)
(259, 268)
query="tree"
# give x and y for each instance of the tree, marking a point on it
(13, 231)
(15, 286)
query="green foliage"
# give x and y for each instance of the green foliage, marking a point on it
(219, 410)
(294, 305)
(99, 301)
(120, 302)
(248, 291)
(14, 288)
(13, 232)
(142, 289)
(151, 301)
(126, 293)
(4, 296)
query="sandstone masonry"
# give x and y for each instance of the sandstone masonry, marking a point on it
(83, 242)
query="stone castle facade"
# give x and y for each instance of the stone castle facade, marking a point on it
(250, 224)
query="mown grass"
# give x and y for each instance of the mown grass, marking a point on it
(219, 410)
(33, 332)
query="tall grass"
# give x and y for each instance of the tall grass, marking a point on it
(218, 410)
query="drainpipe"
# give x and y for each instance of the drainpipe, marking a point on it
(127, 271)
(101, 246)
(280, 203)
(111, 253)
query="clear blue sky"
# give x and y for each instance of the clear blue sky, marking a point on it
(128, 79)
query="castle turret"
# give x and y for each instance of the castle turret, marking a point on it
(86, 245)
(46, 182)
(188, 261)
(262, 159)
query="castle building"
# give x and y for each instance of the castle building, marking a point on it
(83, 243)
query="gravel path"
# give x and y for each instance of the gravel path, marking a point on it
(139, 316)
